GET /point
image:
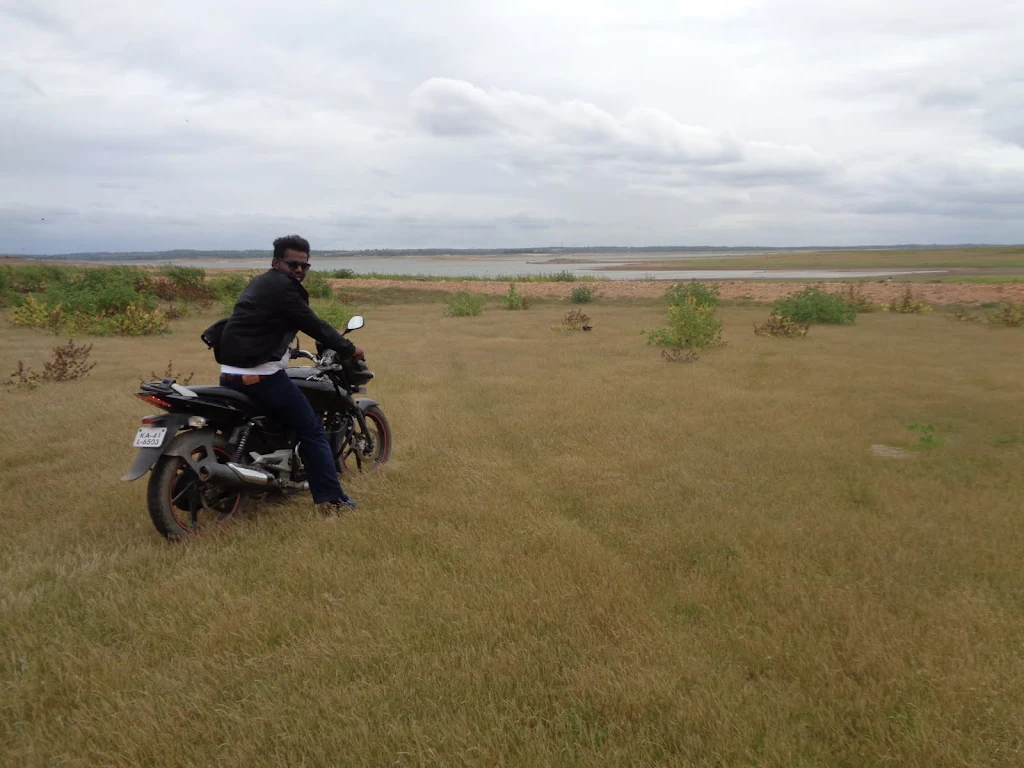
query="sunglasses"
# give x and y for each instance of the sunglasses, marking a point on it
(294, 265)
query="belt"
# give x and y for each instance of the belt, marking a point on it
(240, 378)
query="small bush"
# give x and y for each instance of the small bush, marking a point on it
(30, 314)
(576, 320)
(782, 327)
(565, 276)
(68, 362)
(907, 304)
(693, 291)
(135, 321)
(581, 294)
(23, 378)
(853, 295)
(690, 326)
(463, 304)
(1010, 315)
(514, 299)
(317, 286)
(813, 305)
(343, 274)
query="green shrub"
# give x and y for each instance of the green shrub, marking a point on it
(514, 299)
(98, 292)
(31, 313)
(227, 287)
(136, 320)
(463, 304)
(343, 274)
(813, 305)
(691, 325)
(186, 277)
(565, 276)
(682, 293)
(581, 294)
(336, 313)
(35, 278)
(316, 286)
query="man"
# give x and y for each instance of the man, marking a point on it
(254, 351)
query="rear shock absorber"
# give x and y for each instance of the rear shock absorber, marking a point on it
(240, 450)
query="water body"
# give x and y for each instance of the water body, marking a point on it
(518, 266)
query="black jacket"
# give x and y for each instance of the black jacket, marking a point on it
(271, 309)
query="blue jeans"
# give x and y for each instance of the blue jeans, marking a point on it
(278, 397)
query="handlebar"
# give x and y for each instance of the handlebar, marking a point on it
(319, 362)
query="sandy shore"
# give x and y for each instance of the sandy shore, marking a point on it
(750, 290)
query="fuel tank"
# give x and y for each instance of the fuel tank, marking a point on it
(317, 387)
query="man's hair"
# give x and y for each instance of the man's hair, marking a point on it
(290, 243)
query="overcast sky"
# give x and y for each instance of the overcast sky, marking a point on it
(218, 124)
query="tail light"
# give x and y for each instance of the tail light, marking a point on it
(154, 400)
(151, 420)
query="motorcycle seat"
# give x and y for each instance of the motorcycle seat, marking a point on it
(224, 393)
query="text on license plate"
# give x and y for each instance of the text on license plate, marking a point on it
(150, 437)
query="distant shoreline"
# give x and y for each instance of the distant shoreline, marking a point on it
(559, 252)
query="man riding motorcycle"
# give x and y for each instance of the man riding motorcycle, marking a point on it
(252, 347)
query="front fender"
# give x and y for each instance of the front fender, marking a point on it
(365, 403)
(146, 457)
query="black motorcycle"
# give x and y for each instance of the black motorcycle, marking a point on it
(213, 451)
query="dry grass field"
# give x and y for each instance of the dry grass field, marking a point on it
(580, 555)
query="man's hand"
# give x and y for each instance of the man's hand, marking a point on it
(358, 354)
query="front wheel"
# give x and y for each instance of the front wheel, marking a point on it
(363, 452)
(182, 505)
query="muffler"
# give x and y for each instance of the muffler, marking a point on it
(234, 475)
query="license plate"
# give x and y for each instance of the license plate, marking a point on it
(150, 437)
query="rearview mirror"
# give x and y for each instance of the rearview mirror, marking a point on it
(355, 322)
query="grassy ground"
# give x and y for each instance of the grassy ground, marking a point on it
(580, 555)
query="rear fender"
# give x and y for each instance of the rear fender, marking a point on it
(146, 457)
(185, 445)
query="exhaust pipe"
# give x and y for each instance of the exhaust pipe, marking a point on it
(234, 475)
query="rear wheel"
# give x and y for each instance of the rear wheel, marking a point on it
(182, 505)
(364, 452)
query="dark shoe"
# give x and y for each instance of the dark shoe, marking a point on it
(336, 508)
